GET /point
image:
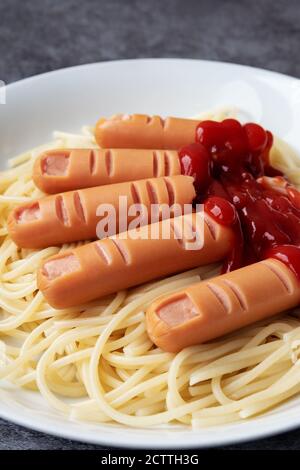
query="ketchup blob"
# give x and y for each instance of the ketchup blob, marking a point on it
(289, 255)
(238, 186)
(221, 210)
(195, 161)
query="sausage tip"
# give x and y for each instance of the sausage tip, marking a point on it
(177, 311)
(61, 266)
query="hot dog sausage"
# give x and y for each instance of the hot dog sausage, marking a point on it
(102, 267)
(66, 169)
(217, 306)
(145, 132)
(72, 216)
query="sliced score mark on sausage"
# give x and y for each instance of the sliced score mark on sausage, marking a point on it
(155, 163)
(55, 164)
(170, 191)
(109, 162)
(28, 213)
(178, 311)
(220, 296)
(61, 210)
(61, 266)
(92, 162)
(79, 207)
(285, 281)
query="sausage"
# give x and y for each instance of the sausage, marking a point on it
(145, 132)
(112, 264)
(72, 216)
(66, 169)
(212, 308)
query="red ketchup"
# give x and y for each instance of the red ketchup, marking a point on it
(287, 254)
(239, 187)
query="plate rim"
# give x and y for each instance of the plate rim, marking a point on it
(113, 62)
(120, 439)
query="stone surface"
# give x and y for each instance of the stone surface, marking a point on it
(41, 35)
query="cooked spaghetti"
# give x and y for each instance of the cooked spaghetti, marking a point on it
(100, 357)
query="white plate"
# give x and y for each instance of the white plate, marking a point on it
(69, 98)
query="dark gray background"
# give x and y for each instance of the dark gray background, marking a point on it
(41, 35)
